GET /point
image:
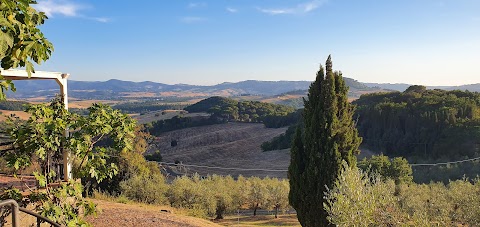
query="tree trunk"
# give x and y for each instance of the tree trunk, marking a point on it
(276, 211)
(255, 210)
(219, 212)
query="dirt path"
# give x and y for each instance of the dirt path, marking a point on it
(118, 214)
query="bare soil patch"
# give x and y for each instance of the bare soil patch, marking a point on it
(118, 214)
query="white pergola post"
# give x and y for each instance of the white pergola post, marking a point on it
(61, 79)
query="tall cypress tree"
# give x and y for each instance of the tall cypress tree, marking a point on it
(329, 136)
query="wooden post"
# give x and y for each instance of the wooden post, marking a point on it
(61, 79)
(67, 166)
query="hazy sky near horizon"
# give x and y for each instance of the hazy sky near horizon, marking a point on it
(430, 42)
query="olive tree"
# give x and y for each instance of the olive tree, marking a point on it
(257, 194)
(277, 194)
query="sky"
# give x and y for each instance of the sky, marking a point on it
(429, 42)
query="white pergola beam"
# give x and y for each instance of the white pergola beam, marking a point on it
(61, 79)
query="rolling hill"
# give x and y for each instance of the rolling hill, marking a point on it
(403, 87)
(118, 89)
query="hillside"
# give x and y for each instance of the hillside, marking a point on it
(231, 145)
(434, 124)
(403, 87)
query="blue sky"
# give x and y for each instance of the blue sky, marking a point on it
(432, 42)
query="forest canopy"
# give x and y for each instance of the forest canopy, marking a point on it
(244, 111)
(437, 124)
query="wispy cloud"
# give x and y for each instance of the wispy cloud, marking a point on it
(51, 7)
(66, 8)
(100, 19)
(192, 20)
(231, 10)
(298, 9)
(192, 5)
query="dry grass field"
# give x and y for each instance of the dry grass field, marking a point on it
(137, 214)
(281, 98)
(119, 214)
(83, 104)
(20, 114)
(231, 145)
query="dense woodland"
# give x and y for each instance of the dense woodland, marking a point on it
(427, 124)
(243, 111)
(424, 126)
(13, 105)
(418, 123)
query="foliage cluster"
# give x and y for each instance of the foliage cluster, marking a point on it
(209, 196)
(130, 164)
(296, 103)
(278, 121)
(146, 188)
(283, 141)
(433, 124)
(21, 41)
(359, 199)
(13, 105)
(217, 195)
(243, 111)
(446, 173)
(41, 140)
(398, 169)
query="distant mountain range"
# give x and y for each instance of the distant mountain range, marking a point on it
(403, 87)
(113, 89)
